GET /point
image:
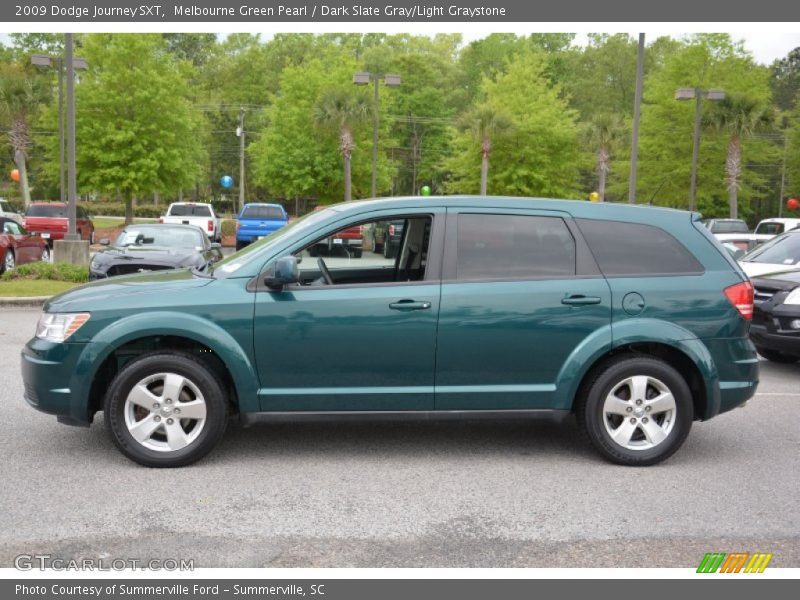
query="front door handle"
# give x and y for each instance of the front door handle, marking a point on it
(580, 300)
(409, 305)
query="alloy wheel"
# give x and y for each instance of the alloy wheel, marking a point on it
(639, 412)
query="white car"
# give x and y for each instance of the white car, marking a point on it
(769, 228)
(780, 254)
(194, 213)
(5, 211)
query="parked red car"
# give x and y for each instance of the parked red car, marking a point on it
(51, 221)
(18, 247)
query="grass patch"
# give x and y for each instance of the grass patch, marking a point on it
(62, 272)
(21, 288)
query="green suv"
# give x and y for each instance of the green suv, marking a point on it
(632, 318)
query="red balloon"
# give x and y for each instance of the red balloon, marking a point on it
(15, 175)
(792, 203)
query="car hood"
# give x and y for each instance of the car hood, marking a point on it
(757, 269)
(97, 294)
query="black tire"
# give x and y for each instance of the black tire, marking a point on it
(596, 422)
(199, 375)
(777, 357)
(357, 252)
(387, 250)
(240, 245)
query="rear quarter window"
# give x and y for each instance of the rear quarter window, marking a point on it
(625, 249)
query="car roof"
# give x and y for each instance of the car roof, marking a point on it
(40, 203)
(164, 225)
(578, 208)
(783, 220)
(263, 204)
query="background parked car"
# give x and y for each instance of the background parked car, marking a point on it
(51, 221)
(5, 211)
(394, 236)
(194, 213)
(154, 247)
(769, 228)
(733, 231)
(782, 253)
(257, 220)
(18, 247)
(775, 330)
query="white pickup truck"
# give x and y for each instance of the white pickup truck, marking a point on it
(194, 213)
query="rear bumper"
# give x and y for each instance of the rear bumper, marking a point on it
(737, 370)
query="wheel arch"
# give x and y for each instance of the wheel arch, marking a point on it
(140, 334)
(661, 339)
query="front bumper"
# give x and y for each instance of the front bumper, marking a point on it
(771, 328)
(54, 381)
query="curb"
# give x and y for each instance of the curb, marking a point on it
(24, 302)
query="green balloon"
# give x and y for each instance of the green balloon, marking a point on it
(426, 191)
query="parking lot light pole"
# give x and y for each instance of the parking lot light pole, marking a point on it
(57, 62)
(697, 95)
(363, 78)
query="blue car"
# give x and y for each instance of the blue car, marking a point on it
(258, 220)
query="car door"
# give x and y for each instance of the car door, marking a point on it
(520, 293)
(365, 343)
(25, 247)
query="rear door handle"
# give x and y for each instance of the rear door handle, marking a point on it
(580, 300)
(409, 305)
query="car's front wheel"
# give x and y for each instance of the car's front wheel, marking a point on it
(636, 411)
(9, 262)
(166, 410)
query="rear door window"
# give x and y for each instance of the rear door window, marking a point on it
(190, 210)
(272, 213)
(513, 247)
(633, 249)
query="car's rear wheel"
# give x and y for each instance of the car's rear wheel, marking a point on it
(775, 356)
(9, 262)
(166, 410)
(636, 411)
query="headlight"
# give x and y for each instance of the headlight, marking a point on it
(793, 297)
(95, 266)
(57, 327)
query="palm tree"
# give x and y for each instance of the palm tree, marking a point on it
(343, 111)
(738, 116)
(20, 95)
(603, 133)
(486, 124)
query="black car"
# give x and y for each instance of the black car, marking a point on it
(155, 247)
(775, 329)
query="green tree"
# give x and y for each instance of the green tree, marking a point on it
(136, 130)
(21, 93)
(738, 116)
(708, 61)
(785, 80)
(539, 156)
(342, 111)
(602, 134)
(486, 124)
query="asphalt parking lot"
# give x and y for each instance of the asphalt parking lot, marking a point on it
(401, 494)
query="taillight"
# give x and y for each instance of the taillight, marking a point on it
(211, 225)
(160, 219)
(391, 230)
(238, 225)
(741, 296)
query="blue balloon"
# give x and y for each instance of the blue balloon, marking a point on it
(226, 181)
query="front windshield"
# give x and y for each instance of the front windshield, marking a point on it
(234, 262)
(159, 237)
(781, 250)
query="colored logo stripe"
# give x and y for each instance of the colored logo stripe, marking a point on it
(758, 562)
(733, 563)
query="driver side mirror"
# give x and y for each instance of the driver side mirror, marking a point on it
(282, 272)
